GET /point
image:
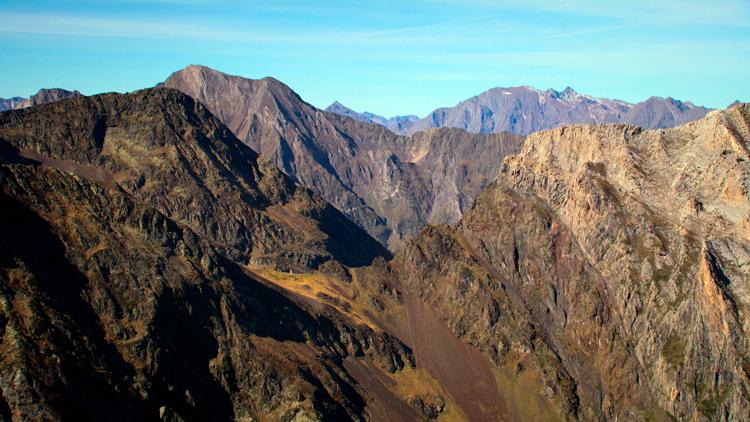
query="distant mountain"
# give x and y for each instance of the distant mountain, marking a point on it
(10, 103)
(397, 124)
(523, 110)
(663, 113)
(388, 184)
(41, 97)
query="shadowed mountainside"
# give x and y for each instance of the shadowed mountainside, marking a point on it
(383, 182)
(147, 257)
(135, 228)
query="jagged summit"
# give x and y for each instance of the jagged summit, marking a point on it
(526, 109)
(338, 108)
(336, 105)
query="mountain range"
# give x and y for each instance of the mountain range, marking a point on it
(393, 185)
(41, 97)
(171, 255)
(523, 110)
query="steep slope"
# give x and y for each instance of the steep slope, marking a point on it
(370, 174)
(603, 276)
(41, 97)
(523, 110)
(397, 124)
(213, 184)
(140, 240)
(286, 131)
(459, 166)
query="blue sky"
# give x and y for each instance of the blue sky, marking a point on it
(387, 57)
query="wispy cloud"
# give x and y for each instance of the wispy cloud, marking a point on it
(593, 30)
(116, 27)
(446, 32)
(700, 12)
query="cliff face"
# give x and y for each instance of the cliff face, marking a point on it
(383, 182)
(662, 217)
(133, 229)
(604, 272)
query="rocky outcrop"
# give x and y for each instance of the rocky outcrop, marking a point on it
(41, 97)
(523, 110)
(603, 274)
(134, 226)
(389, 185)
(10, 103)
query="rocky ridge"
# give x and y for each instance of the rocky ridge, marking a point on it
(383, 182)
(41, 97)
(140, 239)
(603, 274)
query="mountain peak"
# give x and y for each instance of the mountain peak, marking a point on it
(337, 107)
(569, 94)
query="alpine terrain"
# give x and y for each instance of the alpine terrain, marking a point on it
(155, 267)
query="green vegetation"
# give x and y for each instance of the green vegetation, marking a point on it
(674, 351)
(661, 275)
(710, 404)
(657, 414)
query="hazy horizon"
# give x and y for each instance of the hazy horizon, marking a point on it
(388, 58)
